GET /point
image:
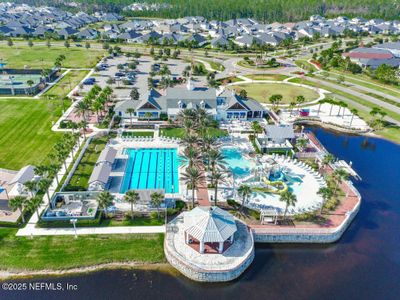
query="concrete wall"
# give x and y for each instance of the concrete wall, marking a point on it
(310, 235)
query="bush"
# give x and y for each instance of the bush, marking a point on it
(232, 203)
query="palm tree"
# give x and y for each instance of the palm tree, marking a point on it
(338, 176)
(156, 200)
(97, 106)
(192, 155)
(134, 94)
(41, 170)
(216, 159)
(256, 127)
(353, 113)
(332, 103)
(300, 100)
(31, 187)
(80, 109)
(130, 111)
(291, 106)
(30, 83)
(328, 159)
(244, 191)
(132, 197)
(192, 177)
(326, 193)
(104, 199)
(18, 203)
(83, 125)
(320, 102)
(34, 204)
(289, 198)
(53, 170)
(301, 143)
(217, 178)
(44, 185)
(148, 115)
(189, 140)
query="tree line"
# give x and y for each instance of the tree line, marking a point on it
(262, 10)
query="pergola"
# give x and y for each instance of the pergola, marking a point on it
(209, 225)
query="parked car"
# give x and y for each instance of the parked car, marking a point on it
(78, 45)
(89, 81)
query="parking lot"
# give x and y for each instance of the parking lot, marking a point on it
(142, 71)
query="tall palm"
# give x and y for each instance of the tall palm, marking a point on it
(320, 102)
(338, 176)
(31, 187)
(328, 159)
(132, 197)
(83, 125)
(192, 155)
(156, 200)
(192, 177)
(291, 106)
(216, 178)
(216, 159)
(189, 140)
(289, 198)
(354, 112)
(300, 100)
(34, 204)
(44, 185)
(148, 115)
(131, 111)
(97, 106)
(256, 127)
(81, 108)
(326, 193)
(244, 191)
(53, 171)
(18, 203)
(104, 200)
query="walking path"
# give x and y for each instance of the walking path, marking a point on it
(51, 84)
(202, 190)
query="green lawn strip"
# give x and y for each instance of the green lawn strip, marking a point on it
(180, 132)
(215, 65)
(79, 181)
(245, 64)
(274, 77)
(363, 102)
(263, 91)
(26, 136)
(305, 65)
(64, 252)
(66, 84)
(368, 82)
(138, 134)
(39, 57)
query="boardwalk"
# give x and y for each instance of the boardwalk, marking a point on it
(202, 191)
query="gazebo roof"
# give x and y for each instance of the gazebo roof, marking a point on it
(209, 224)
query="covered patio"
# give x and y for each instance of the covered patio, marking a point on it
(209, 229)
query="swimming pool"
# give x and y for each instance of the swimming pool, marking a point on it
(151, 168)
(236, 162)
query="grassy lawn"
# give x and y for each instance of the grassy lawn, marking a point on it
(274, 77)
(246, 64)
(66, 84)
(137, 133)
(215, 65)
(368, 82)
(180, 132)
(43, 57)
(305, 65)
(26, 136)
(79, 181)
(348, 96)
(64, 252)
(262, 91)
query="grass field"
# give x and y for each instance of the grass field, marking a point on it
(305, 65)
(26, 137)
(42, 57)
(66, 84)
(64, 252)
(180, 132)
(274, 77)
(79, 181)
(262, 91)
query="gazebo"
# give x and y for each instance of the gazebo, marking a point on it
(209, 226)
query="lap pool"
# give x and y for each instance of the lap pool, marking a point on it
(151, 168)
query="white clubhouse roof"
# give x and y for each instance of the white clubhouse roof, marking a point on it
(25, 174)
(107, 155)
(209, 224)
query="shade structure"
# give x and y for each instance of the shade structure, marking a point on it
(209, 224)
